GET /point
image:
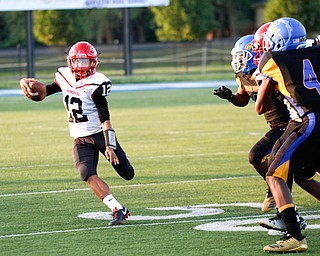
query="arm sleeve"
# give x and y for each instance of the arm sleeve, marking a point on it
(53, 88)
(102, 105)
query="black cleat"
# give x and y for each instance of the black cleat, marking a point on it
(119, 216)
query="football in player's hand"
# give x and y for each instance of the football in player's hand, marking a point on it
(33, 89)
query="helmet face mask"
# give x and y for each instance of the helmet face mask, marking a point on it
(239, 60)
(242, 55)
(81, 63)
(80, 67)
(82, 60)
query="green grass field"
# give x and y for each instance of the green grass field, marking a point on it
(189, 150)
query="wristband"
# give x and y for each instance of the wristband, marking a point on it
(110, 138)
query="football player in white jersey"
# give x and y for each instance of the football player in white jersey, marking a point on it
(84, 95)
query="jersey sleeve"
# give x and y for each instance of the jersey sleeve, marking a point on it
(103, 89)
(99, 98)
(53, 88)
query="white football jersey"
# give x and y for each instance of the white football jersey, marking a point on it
(82, 112)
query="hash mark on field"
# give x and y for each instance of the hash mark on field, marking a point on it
(125, 186)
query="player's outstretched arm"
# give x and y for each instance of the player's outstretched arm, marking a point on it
(240, 99)
(224, 93)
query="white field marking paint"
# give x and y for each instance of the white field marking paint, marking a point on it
(52, 232)
(192, 211)
(256, 133)
(193, 155)
(253, 205)
(122, 226)
(196, 211)
(239, 225)
(108, 227)
(44, 192)
(33, 166)
(223, 224)
(126, 186)
(136, 158)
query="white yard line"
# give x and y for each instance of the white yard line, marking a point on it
(125, 186)
(252, 218)
(136, 158)
(126, 225)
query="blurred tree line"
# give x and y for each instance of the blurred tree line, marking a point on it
(183, 20)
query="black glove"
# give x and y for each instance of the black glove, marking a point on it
(224, 93)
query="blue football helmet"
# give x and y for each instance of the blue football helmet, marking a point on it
(242, 55)
(284, 34)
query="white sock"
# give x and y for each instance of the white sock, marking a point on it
(112, 203)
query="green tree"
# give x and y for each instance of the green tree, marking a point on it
(190, 20)
(12, 28)
(60, 27)
(184, 20)
(104, 25)
(143, 25)
(306, 11)
(236, 17)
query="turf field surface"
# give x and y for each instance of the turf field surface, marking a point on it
(194, 192)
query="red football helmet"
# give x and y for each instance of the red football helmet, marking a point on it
(259, 35)
(258, 41)
(82, 59)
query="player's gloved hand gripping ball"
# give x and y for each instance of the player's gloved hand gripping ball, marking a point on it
(33, 89)
(224, 93)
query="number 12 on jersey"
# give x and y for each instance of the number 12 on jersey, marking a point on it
(76, 113)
